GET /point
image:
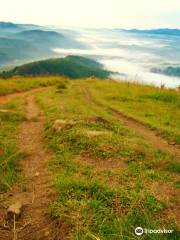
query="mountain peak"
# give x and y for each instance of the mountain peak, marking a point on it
(8, 25)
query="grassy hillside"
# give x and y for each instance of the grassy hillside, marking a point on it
(158, 108)
(108, 178)
(71, 66)
(20, 84)
(11, 116)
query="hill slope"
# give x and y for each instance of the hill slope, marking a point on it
(45, 39)
(22, 43)
(71, 66)
(111, 169)
(169, 71)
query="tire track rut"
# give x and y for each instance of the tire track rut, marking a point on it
(150, 136)
(35, 193)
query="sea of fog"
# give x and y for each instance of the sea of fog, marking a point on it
(131, 56)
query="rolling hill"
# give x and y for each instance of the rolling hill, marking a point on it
(8, 26)
(21, 43)
(13, 49)
(169, 71)
(71, 66)
(39, 35)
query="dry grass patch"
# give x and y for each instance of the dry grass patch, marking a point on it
(103, 163)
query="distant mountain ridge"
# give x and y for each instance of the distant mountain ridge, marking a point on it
(71, 66)
(38, 33)
(19, 27)
(8, 25)
(160, 31)
(21, 43)
(169, 71)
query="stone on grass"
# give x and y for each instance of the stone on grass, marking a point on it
(37, 174)
(60, 124)
(14, 210)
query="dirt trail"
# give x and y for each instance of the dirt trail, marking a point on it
(150, 136)
(35, 192)
(9, 97)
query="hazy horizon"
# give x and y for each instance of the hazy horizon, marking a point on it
(140, 14)
(80, 27)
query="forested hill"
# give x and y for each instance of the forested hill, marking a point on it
(70, 66)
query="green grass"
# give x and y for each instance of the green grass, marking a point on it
(20, 84)
(158, 108)
(98, 199)
(175, 167)
(9, 154)
(164, 96)
(108, 180)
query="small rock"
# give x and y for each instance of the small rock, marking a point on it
(172, 143)
(37, 174)
(60, 124)
(14, 209)
(94, 133)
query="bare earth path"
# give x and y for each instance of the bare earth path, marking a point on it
(9, 97)
(35, 193)
(139, 128)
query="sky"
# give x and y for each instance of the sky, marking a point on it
(93, 13)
